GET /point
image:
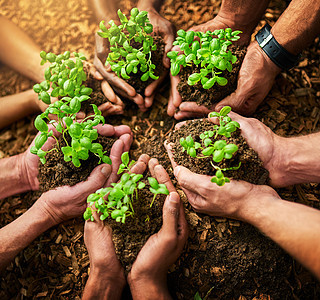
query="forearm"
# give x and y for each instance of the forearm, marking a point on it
(11, 178)
(18, 51)
(298, 25)
(297, 159)
(105, 9)
(18, 106)
(294, 227)
(148, 5)
(242, 15)
(21, 232)
(99, 288)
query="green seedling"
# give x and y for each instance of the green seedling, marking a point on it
(117, 201)
(217, 150)
(65, 77)
(123, 58)
(209, 52)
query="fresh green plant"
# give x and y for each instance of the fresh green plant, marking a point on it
(123, 58)
(219, 149)
(64, 79)
(211, 55)
(117, 201)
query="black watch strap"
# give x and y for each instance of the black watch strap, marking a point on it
(280, 56)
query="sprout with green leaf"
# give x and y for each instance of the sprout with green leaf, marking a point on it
(219, 149)
(123, 58)
(209, 51)
(66, 77)
(117, 201)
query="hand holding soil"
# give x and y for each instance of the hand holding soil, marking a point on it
(118, 84)
(256, 77)
(148, 275)
(106, 273)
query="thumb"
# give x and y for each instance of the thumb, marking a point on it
(168, 39)
(96, 180)
(189, 180)
(171, 209)
(231, 100)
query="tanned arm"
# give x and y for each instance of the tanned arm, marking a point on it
(19, 51)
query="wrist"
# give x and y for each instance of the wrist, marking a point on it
(147, 6)
(146, 287)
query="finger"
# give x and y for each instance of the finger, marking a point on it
(115, 156)
(152, 86)
(127, 141)
(179, 125)
(149, 100)
(175, 94)
(141, 165)
(180, 115)
(105, 130)
(170, 215)
(189, 180)
(97, 75)
(163, 177)
(151, 165)
(108, 91)
(169, 39)
(194, 107)
(138, 99)
(122, 129)
(170, 154)
(114, 80)
(96, 180)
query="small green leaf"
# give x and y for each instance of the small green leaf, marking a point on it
(125, 158)
(40, 124)
(153, 183)
(225, 110)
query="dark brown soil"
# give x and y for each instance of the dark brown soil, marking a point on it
(251, 168)
(97, 97)
(56, 172)
(201, 96)
(129, 238)
(157, 57)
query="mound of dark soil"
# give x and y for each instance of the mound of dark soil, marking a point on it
(56, 172)
(201, 96)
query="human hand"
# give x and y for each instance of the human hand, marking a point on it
(29, 162)
(115, 106)
(106, 272)
(118, 84)
(189, 109)
(166, 30)
(255, 80)
(232, 200)
(266, 143)
(149, 271)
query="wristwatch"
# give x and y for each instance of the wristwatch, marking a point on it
(279, 55)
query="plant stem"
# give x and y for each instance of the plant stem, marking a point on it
(154, 197)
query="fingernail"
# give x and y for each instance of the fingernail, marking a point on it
(176, 171)
(105, 171)
(174, 198)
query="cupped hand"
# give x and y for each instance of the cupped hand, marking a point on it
(149, 271)
(256, 77)
(231, 200)
(119, 85)
(29, 162)
(265, 142)
(103, 259)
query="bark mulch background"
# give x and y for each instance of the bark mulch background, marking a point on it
(217, 258)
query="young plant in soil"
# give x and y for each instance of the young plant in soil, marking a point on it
(206, 59)
(122, 195)
(217, 150)
(211, 53)
(64, 80)
(132, 46)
